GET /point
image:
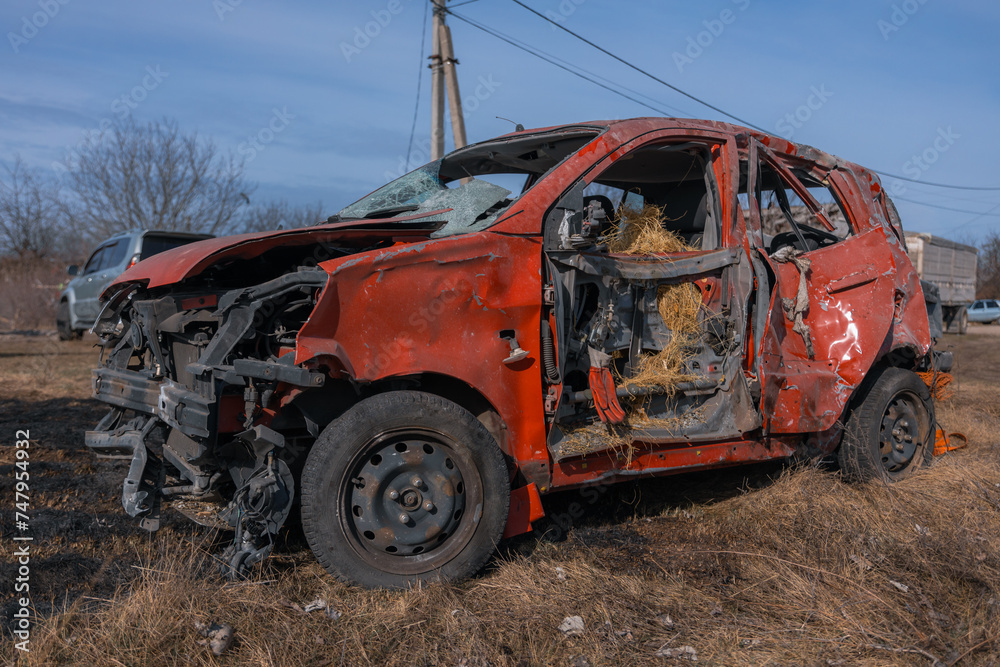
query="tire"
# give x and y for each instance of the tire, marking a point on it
(963, 321)
(63, 326)
(890, 430)
(384, 460)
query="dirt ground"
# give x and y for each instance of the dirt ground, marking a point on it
(769, 564)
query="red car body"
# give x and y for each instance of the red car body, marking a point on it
(453, 315)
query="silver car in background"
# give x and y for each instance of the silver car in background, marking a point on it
(985, 310)
(79, 303)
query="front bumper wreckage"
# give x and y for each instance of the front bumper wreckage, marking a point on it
(167, 414)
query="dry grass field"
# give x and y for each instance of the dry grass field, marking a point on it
(775, 565)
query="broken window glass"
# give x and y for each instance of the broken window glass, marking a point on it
(474, 206)
(467, 190)
(410, 190)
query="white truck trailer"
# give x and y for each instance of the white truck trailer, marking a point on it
(949, 266)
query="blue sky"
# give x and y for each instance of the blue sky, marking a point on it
(876, 82)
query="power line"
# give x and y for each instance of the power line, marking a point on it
(535, 51)
(552, 62)
(972, 220)
(937, 185)
(639, 69)
(715, 108)
(420, 76)
(947, 208)
(950, 197)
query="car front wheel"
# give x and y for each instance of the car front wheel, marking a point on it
(890, 431)
(404, 487)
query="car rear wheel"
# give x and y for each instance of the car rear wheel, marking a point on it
(66, 332)
(404, 487)
(963, 321)
(890, 431)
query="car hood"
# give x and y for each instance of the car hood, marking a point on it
(192, 259)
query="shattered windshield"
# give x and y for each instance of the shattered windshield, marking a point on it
(468, 189)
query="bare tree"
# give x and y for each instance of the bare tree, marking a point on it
(153, 177)
(29, 219)
(279, 214)
(989, 267)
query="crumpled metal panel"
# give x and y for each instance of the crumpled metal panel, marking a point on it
(851, 288)
(439, 308)
(189, 260)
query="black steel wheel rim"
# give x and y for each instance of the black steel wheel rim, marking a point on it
(903, 432)
(409, 499)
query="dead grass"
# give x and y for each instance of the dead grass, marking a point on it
(666, 368)
(798, 568)
(641, 232)
(910, 568)
(678, 306)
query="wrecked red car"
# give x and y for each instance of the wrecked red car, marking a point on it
(551, 309)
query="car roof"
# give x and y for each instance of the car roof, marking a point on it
(636, 126)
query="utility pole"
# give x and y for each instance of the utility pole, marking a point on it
(451, 81)
(444, 76)
(437, 83)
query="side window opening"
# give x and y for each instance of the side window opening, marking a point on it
(830, 203)
(95, 261)
(614, 199)
(667, 188)
(744, 198)
(787, 220)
